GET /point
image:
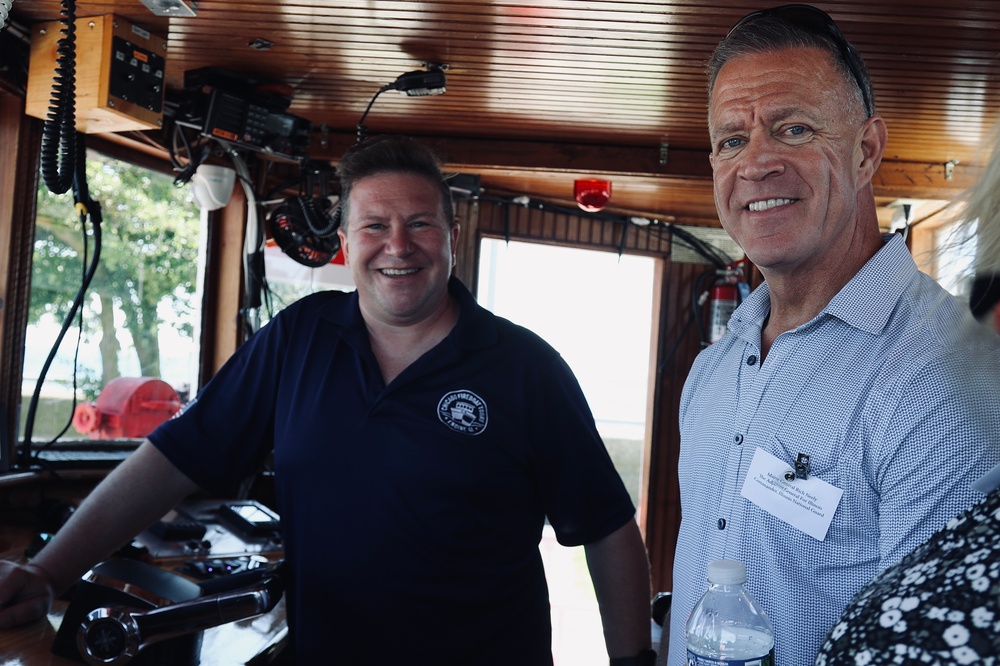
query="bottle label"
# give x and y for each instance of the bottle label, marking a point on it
(697, 660)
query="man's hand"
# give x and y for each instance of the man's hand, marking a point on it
(26, 593)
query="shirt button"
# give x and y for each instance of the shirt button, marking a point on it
(722, 523)
(751, 359)
(738, 439)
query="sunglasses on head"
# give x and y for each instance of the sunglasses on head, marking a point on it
(817, 22)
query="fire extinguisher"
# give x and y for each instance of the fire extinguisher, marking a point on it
(722, 301)
(728, 291)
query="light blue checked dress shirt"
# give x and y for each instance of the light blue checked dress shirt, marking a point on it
(894, 392)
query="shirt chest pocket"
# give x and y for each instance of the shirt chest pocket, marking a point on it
(808, 447)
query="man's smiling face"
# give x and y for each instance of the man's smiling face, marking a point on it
(785, 155)
(399, 247)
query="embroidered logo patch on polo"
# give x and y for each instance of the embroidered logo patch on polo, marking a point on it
(463, 411)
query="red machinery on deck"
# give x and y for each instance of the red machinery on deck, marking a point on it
(127, 407)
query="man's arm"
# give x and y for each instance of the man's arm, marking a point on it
(134, 495)
(940, 438)
(619, 568)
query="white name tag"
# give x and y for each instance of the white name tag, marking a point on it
(805, 504)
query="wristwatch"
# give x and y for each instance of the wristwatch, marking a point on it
(646, 657)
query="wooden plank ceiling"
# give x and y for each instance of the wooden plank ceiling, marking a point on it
(540, 92)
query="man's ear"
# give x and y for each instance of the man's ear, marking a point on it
(455, 228)
(344, 247)
(874, 137)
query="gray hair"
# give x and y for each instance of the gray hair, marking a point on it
(773, 33)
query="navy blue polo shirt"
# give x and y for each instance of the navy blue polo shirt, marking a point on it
(411, 512)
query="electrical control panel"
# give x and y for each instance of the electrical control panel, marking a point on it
(120, 73)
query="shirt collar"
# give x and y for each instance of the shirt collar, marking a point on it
(476, 327)
(866, 302)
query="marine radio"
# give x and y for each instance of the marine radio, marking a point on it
(242, 111)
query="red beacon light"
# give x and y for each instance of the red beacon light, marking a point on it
(127, 407)
(592, 195)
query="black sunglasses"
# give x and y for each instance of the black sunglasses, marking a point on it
(817, 22)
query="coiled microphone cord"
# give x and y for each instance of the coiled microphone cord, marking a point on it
(59, 137)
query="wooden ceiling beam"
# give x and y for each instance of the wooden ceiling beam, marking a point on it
(894, 179)
(921, 180)
(677, 189)
(580, 158)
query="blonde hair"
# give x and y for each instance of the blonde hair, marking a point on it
(980, 206)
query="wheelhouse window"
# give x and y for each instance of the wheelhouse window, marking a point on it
(134, 337)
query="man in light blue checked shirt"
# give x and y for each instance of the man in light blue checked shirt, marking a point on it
(844, 416)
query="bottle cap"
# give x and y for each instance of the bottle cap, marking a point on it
(727, 572)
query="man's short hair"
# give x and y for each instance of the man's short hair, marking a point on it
(770, 32)
(391, 154)
(984, 295)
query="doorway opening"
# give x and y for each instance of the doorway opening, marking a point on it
(596, 309)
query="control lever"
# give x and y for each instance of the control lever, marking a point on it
(113, 635)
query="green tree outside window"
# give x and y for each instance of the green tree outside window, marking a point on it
(146, 278)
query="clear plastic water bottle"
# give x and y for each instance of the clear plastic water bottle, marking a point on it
(727, 626)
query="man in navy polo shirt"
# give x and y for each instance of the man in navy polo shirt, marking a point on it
(419, 442)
